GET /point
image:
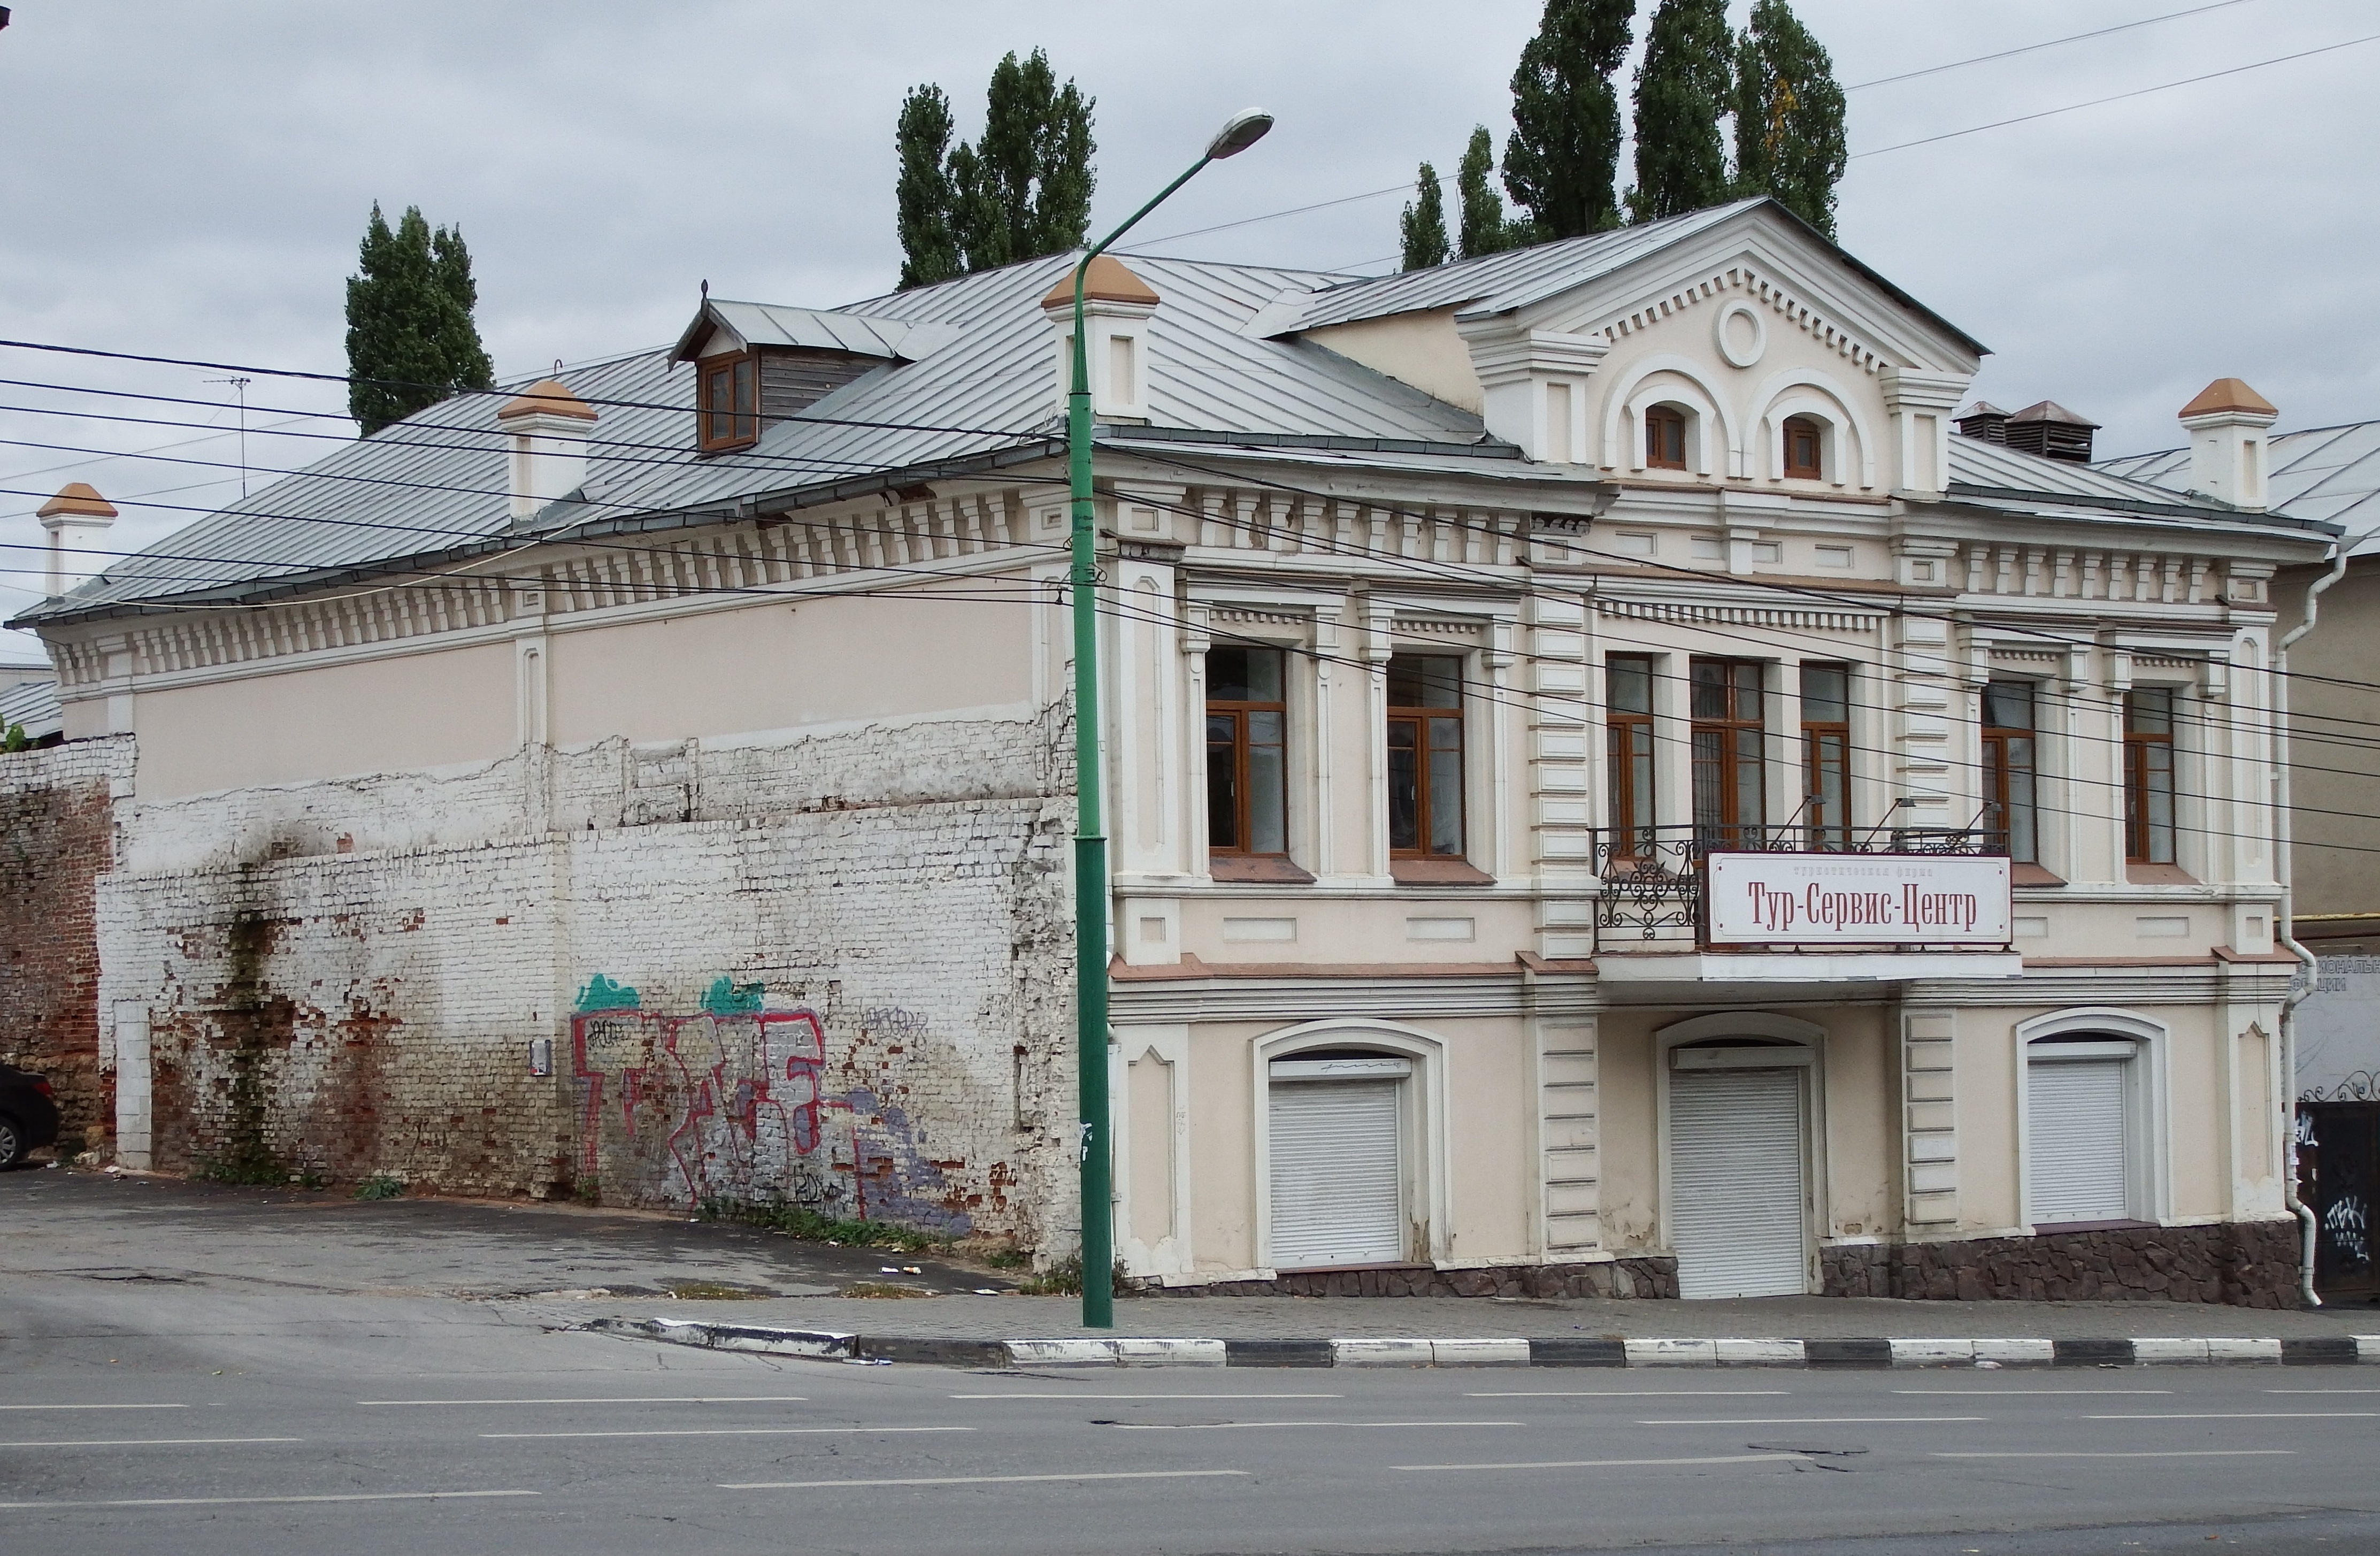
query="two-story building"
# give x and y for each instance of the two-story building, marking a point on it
(1610, 793)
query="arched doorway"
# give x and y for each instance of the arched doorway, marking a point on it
(1738, 1207)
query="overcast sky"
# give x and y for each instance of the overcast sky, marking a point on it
(191, 180)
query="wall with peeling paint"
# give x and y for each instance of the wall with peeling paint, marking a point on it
(348, 977)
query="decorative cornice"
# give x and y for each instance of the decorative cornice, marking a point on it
(1752, 283)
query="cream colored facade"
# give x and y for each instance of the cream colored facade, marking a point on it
(1539, 1029)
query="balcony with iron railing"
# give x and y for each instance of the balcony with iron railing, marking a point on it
(1650, 878)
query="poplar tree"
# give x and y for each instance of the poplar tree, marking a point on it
(1789, 116)
(1564, 149)
(922, 197)
(1684, 84)
(412, 340)
(1022, 191)
(1423, 225)
(1485, 229)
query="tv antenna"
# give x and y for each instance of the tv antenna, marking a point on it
(239, 386)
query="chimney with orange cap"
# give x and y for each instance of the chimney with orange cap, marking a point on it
(2226, 425)
(548, 426)
(76, 520)
(1116, 306)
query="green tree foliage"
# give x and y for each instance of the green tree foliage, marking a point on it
(1486, 229)
(1789, 116)
(1684, 84)
(411, 337)
(930, 244)
(1422, 226)
(1022, 191)
(1560, 160)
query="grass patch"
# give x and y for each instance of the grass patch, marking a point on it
(1009, 1258)
(881, 1288)
(793, 1220)
(711, 1290)
(379, 1186)
(1065, 1279)
(253, 1169)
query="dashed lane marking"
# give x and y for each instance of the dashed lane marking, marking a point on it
(982, 1479)
(1812, 1421)
(2175, 1454)
(239, 1502)
(147, 1442)
(1060, 1395)
(730, 1431)
(1235, 1426)
(625, 1399)
(1631, 1394)
(1619, 1464)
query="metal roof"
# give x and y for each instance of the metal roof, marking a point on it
(33, 704)
(2002, 477)
(767, 324)
(2327, 472)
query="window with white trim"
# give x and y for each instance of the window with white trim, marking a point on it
(2086, 1129)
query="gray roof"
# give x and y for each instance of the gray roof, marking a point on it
(2327, 472)
(1521, 277)
(33, 704)
(767, 324)
(1998, 476)
(434, 483)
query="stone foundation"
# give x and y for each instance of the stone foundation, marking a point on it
(2245, 1264)
(1655, 1277)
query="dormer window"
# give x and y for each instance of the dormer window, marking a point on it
(1804, 449)
(1665, 438)
(729, 390)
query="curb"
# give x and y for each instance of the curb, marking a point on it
(828, 1345)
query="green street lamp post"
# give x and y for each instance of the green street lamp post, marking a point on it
(1090, 834)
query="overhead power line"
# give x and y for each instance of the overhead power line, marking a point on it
(2049, 44)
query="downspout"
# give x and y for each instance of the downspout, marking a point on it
(2304, 985)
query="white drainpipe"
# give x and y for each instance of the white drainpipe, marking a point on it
(2301, 988)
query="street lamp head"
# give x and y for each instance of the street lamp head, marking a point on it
(1243, 130)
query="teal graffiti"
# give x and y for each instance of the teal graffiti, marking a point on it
(602, 993)
(728, 997)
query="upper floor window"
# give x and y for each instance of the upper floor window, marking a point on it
(1825, 754)
(1247, 779)
(2008, 813)
(1665, 438)
(1728, 716)
(1425, 754)
(1804, 449)
(1628, 749)
(2148, 775)
(728, 392)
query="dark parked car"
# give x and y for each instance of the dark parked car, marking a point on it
(27, 1118)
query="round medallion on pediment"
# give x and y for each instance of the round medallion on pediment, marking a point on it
(1742, 334)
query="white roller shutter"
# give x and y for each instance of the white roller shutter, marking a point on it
(1336, 1173)
(2075, 1156)
(1735, 1190)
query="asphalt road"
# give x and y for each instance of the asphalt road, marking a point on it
(316, 1408)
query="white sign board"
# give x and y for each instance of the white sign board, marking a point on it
(1857, 899)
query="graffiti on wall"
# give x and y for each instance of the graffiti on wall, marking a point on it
(726, 1102)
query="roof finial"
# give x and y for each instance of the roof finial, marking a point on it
(706, 288)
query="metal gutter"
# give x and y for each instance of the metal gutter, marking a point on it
(1487, 448)
(2116, 505)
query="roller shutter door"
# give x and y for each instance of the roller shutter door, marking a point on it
(1735, 1195)
(1336, 1173)
(2074, 1127)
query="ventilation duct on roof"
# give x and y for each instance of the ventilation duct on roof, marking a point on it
(76, 520)
(548, 426)
(2051, 430)
(2226, 424)
(1985, 423)
(1116, 308)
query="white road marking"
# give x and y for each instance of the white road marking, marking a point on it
(625, 1399)
(2177, 1453)
(1620, 1464)
(2248, 1415)
(1812, 1420)
(1631, 1395)
(236, 1502)
(1064, 1395)
(150, 1442)
(1987, 1394)
(979, 1479)
(2267, 1391)
(731, 1431)
(93, 1407)
(1235, 1426)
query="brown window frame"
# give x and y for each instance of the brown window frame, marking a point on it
(1796, 428)
(1424, 727)
(2148, 758)
(1237, 714)
(743, 422)
(1660, 422)
(1723, 747)
(1827, 752)
(1632, 774)
(2012, 775)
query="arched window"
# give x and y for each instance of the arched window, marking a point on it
(1806, 444)
(1665, 438)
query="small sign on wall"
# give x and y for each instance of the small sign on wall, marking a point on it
(1857, 899)
(540, 1056)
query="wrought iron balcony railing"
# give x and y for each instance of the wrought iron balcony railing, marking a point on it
(1651, 878)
